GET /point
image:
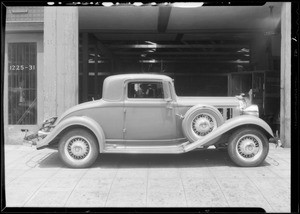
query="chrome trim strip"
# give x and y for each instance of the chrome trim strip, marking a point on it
(149, 149)
(121, 140)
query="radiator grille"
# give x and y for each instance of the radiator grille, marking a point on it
(227, 113)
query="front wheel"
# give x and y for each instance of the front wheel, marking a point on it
(78, 148)
(248, 147)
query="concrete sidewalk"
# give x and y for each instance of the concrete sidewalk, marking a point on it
(197, 179)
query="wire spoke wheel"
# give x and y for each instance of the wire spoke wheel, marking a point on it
(201, 120)
(203, 124)
(249, 147)
(78, 147)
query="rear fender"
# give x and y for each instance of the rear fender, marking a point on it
(227, 126)
(86, 122)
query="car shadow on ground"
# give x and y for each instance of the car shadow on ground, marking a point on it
(193, 159)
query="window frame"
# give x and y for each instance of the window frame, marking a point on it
(34, 89)
(143, 81)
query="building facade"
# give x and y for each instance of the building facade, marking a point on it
(57, 57)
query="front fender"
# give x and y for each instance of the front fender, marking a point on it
(84, 121)
(227, 126)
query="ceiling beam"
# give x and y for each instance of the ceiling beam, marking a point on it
(163, 18)
(181, 53)
(153, 46)
(175, 31)
(202, 62)
(190, 58)
(170, 37)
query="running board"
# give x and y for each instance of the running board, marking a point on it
(175, 149)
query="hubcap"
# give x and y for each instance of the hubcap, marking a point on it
(249, 147)
(78, 147)
(203, 124)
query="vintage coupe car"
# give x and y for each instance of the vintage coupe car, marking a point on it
(141, 113)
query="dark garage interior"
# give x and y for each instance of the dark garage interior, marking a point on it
(208, 51)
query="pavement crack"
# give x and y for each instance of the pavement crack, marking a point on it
(83, 174)
(35, 192)
(219, 187)
(110, 187)
(183, 188)
(259, 190)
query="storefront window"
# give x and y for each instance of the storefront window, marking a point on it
(22, 83)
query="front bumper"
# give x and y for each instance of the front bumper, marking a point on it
(46, 128)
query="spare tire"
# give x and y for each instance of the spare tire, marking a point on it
(201, 120)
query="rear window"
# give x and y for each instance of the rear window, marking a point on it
(145, 90)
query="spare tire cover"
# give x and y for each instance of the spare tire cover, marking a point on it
(201, 120)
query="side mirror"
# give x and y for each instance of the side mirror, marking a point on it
(168, 99)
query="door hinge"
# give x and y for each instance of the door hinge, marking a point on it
(124, 110)
(124, 130)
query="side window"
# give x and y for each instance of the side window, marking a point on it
(150, 90)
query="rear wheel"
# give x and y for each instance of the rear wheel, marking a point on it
(248, 147)
(78, 148)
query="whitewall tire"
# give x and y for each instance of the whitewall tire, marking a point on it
(200, 121)
(248, 147)
(78, 148)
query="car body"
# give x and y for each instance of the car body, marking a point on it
(141, 113)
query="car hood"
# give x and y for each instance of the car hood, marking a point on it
(78, 108)
(213, 101)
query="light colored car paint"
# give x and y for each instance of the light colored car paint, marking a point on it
(123, 124)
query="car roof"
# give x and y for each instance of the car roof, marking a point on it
(149, 76)
(113, 85)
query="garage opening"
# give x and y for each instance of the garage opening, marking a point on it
(208, 51)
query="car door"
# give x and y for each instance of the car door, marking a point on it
(148, 117)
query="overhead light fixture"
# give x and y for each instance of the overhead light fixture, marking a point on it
(137, 4)
(151, 51)
(107, 4)
(272, 23)
(152, 61)
(152, 43)
(244, 50)
(188, 4)
(149, 61)
(241, 61)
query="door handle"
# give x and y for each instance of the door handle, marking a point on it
(169, 107)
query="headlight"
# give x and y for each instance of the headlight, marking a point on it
(48, 123)
(251, 110)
